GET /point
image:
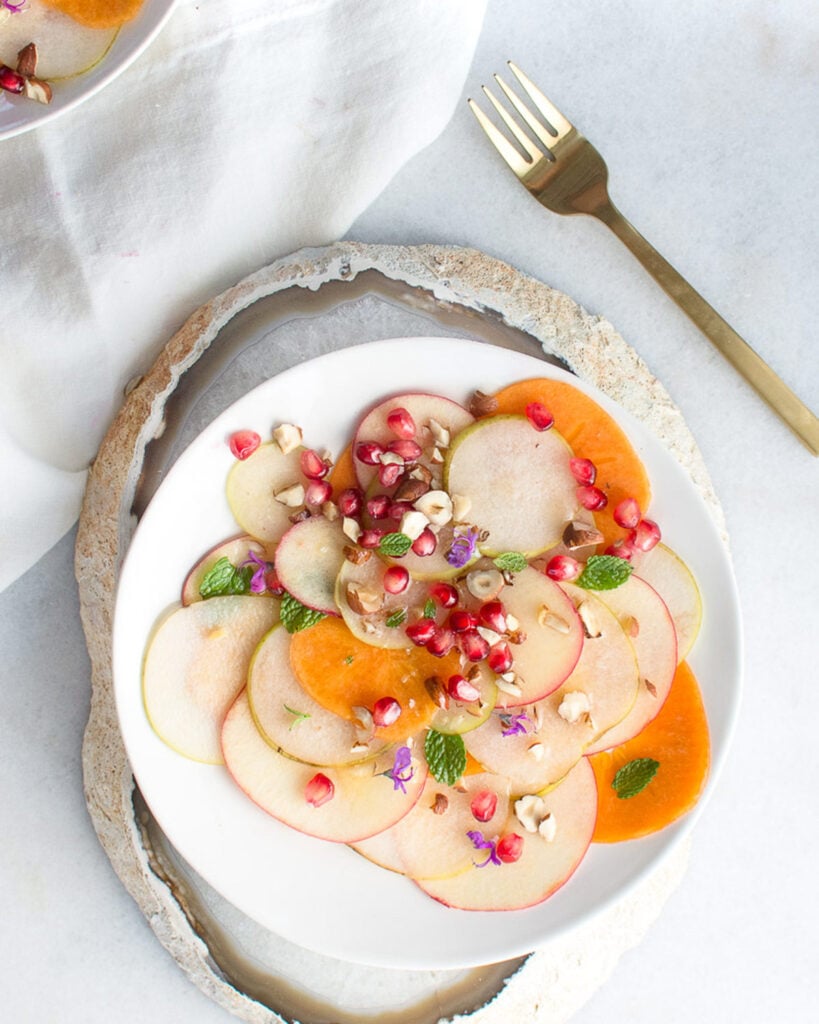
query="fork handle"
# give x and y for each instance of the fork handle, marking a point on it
(738, 352)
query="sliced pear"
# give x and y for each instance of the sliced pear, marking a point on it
(308, 559)
(252, 486)
(459, 718)
(65, 48)
(196, 663)
(648, 624)
(365, 801)
(544, 865)
(365, 583)
(517, 482)
(288, 717)
(237, 550)
(675, 583)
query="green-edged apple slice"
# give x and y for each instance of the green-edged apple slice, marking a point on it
(288, 717)
(343, 803)
(65, 48)
(196, 663)
(549, 857)
(263, 491)
(436, 421)
(237, 551)
(647, 622)
(308, 559)
(516, 483)
(432, 841)
(535, 745)
(675, 583)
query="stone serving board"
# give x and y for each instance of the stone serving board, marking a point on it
(299, 307)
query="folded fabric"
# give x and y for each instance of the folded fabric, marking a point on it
(245, 131)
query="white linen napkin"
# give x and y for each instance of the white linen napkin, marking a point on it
(247, 130)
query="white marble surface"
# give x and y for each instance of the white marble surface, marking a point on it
(653, 85)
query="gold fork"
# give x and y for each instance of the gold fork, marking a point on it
(569, 176)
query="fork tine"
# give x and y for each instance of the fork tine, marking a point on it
(518, 163)
(560, 124)
(528, 147)
(539, 129)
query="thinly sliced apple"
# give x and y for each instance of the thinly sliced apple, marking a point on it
(308, 559)
(65, 48)
(237, 551)
(382, 850)
(367, 579)
(288, 717)
(365, 801)
(252, 486)
(547, 743)
(423, 408)
(647, 622)
(554, 636)
(544, 865)
(196, 663)
(517, 482)
(675, 583)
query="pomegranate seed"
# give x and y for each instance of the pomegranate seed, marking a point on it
(244, 443)
(409, 451)
(10, 80)
(386, 710)
(499, 658)
(317, 492)
(369, 452)
(401, 422)
(425, 543)
(313, 465)
(591, 498)
(388, 474)
(378, 505)
(484, 804)
(460, 689)
(350, 501)
(645, 535)
(583, 470)
(370, 538)
(627, 513)
(461, 620)
(396, 579)
(473, 646)
(493, 614)
(444, 594)
(319, 790)
(509, 847)
(621, 549)
(398, 510)
(441, 642)
(271, 581)
(421, 632)
(563, 568)
(539, 416)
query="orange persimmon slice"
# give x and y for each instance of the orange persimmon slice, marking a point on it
(678, 739)
(342, 475)
(342, 672)
(98, 13)
(592, 434)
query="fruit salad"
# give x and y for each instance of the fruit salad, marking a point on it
(459, 647)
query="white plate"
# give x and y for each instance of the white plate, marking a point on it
(19, 115)
(317, 894)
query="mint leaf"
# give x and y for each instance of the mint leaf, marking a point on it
(295, 616)
(604, 572)
(395, 544)
(446, 756)
(224, 577)
(429, 609)
(633, 777)
(511, 561)
(396, 618)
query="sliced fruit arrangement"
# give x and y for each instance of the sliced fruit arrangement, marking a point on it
(457, 649)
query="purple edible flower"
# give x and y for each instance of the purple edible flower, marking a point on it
(480, 843)
(14, 8)
(257, 580)
(464, 547)
(402, 770)
(515, 725)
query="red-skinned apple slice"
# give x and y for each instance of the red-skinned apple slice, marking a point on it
(517, 483)
(544, 865)
(308, 559)
(252, 485)
(364, 802)
(288, 717)
(196, 663)
(674, 582)
(648, 624)
(237, 550)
